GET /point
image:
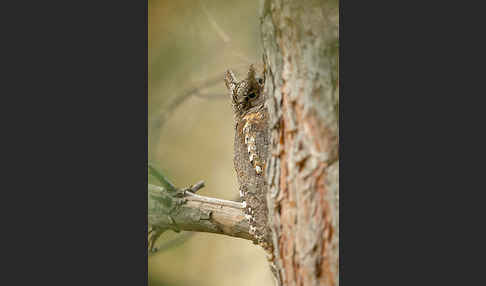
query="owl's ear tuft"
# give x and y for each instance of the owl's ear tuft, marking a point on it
(251, 73)
(230, 81)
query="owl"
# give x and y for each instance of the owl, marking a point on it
(251, 149)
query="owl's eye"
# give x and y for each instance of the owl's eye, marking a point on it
(252, 95)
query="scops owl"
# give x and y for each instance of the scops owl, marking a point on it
(250, 150)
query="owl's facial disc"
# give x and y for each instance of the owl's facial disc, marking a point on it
(247, 93)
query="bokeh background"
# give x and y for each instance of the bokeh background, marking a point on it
(191, 44)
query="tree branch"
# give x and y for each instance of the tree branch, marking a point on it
(184, 210)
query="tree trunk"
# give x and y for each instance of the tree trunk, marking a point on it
(301, 44)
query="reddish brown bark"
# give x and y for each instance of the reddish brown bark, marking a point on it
(300, 41)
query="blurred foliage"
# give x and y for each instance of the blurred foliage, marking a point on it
(157, 174)
(191, 42)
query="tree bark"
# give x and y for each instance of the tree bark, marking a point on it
(301, 47)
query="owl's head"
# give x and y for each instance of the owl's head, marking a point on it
(245, 94)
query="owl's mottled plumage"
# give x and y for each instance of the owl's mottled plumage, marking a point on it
(251, 147)
(251, 150)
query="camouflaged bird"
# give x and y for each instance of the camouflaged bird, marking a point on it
(251, 150)
(251, 147)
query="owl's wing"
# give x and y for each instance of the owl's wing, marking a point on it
(254, 125)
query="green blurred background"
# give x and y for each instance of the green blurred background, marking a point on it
(190, 43)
